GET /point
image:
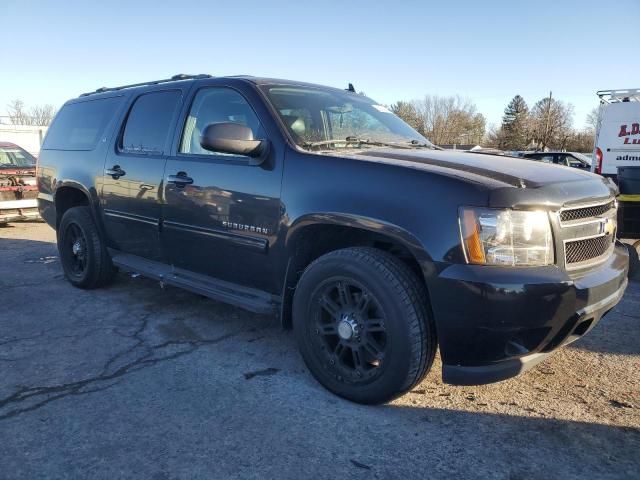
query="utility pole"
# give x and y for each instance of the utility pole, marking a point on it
(546, 127)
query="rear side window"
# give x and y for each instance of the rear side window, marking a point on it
(147, 128)
(80, 125)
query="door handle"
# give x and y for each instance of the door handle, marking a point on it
(116, 172)
(180, 180)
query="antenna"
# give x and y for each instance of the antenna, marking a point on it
(350, 88)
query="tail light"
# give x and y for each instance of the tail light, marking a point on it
(598, 169)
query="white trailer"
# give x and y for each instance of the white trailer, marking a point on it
(617, 142)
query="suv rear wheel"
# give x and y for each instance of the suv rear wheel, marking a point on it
(361, 320)
(83, 254)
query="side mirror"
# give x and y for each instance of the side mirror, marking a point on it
(234, 138)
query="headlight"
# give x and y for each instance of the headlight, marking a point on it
(506, 237)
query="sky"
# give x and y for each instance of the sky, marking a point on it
(392, 50)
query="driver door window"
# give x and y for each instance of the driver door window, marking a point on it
(216, 105)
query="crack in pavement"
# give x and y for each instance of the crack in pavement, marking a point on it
(45, 395)
(91, 330)
(6, 286)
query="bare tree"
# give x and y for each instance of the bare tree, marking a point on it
(551, 123)
(407, 112)
(455, 120)
(40, 115)
(444, 120)
(592, 120)
(580, 141)
(17, 113)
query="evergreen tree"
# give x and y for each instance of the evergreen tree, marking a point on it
(513, 135)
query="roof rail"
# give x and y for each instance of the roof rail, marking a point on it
(622, 95)
(175, 78)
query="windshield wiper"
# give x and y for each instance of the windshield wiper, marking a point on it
(353, 140)
(418, 144)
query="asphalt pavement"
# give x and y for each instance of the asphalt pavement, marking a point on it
(135, 381)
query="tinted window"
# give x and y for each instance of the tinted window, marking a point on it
(79, 126)
(566, 160)
(542, 158)
(571, 160)
(216, 105)
(149, 121)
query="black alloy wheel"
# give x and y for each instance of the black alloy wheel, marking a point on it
(83, 253)
(362, 323)
(350, 327)
(75, 250)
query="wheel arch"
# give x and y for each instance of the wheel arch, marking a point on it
(313, 235)
(69, 195)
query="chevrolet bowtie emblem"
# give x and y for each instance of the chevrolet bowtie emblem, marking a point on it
(608, 227)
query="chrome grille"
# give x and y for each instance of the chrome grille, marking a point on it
(587, 233)
(585, 212)
(583, 250)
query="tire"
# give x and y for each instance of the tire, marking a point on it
(83, 253)
(362, 323)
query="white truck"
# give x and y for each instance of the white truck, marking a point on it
(617, 142)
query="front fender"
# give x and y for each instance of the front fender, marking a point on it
(380, 227)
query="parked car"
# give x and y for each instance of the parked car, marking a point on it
(617, 132)
(322, 207)
(568, 159)
(18, 190)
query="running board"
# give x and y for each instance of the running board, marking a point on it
(250, 299)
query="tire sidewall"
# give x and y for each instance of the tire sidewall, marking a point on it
(397, 360)
(86, 226)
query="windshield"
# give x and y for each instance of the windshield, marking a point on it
(15, 157)
(318, 119)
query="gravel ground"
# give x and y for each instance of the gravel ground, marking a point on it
(135, 381)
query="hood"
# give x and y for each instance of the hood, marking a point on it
(514, 182)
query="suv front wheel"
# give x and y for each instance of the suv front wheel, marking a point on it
(83, 254)
(361, 320)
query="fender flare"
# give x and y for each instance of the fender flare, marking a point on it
(373, 225)
(91, 195)
(394, 232)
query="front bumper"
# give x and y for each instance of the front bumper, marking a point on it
(495, 322)
(13, 210)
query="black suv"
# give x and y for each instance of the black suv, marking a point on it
(322, 207)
